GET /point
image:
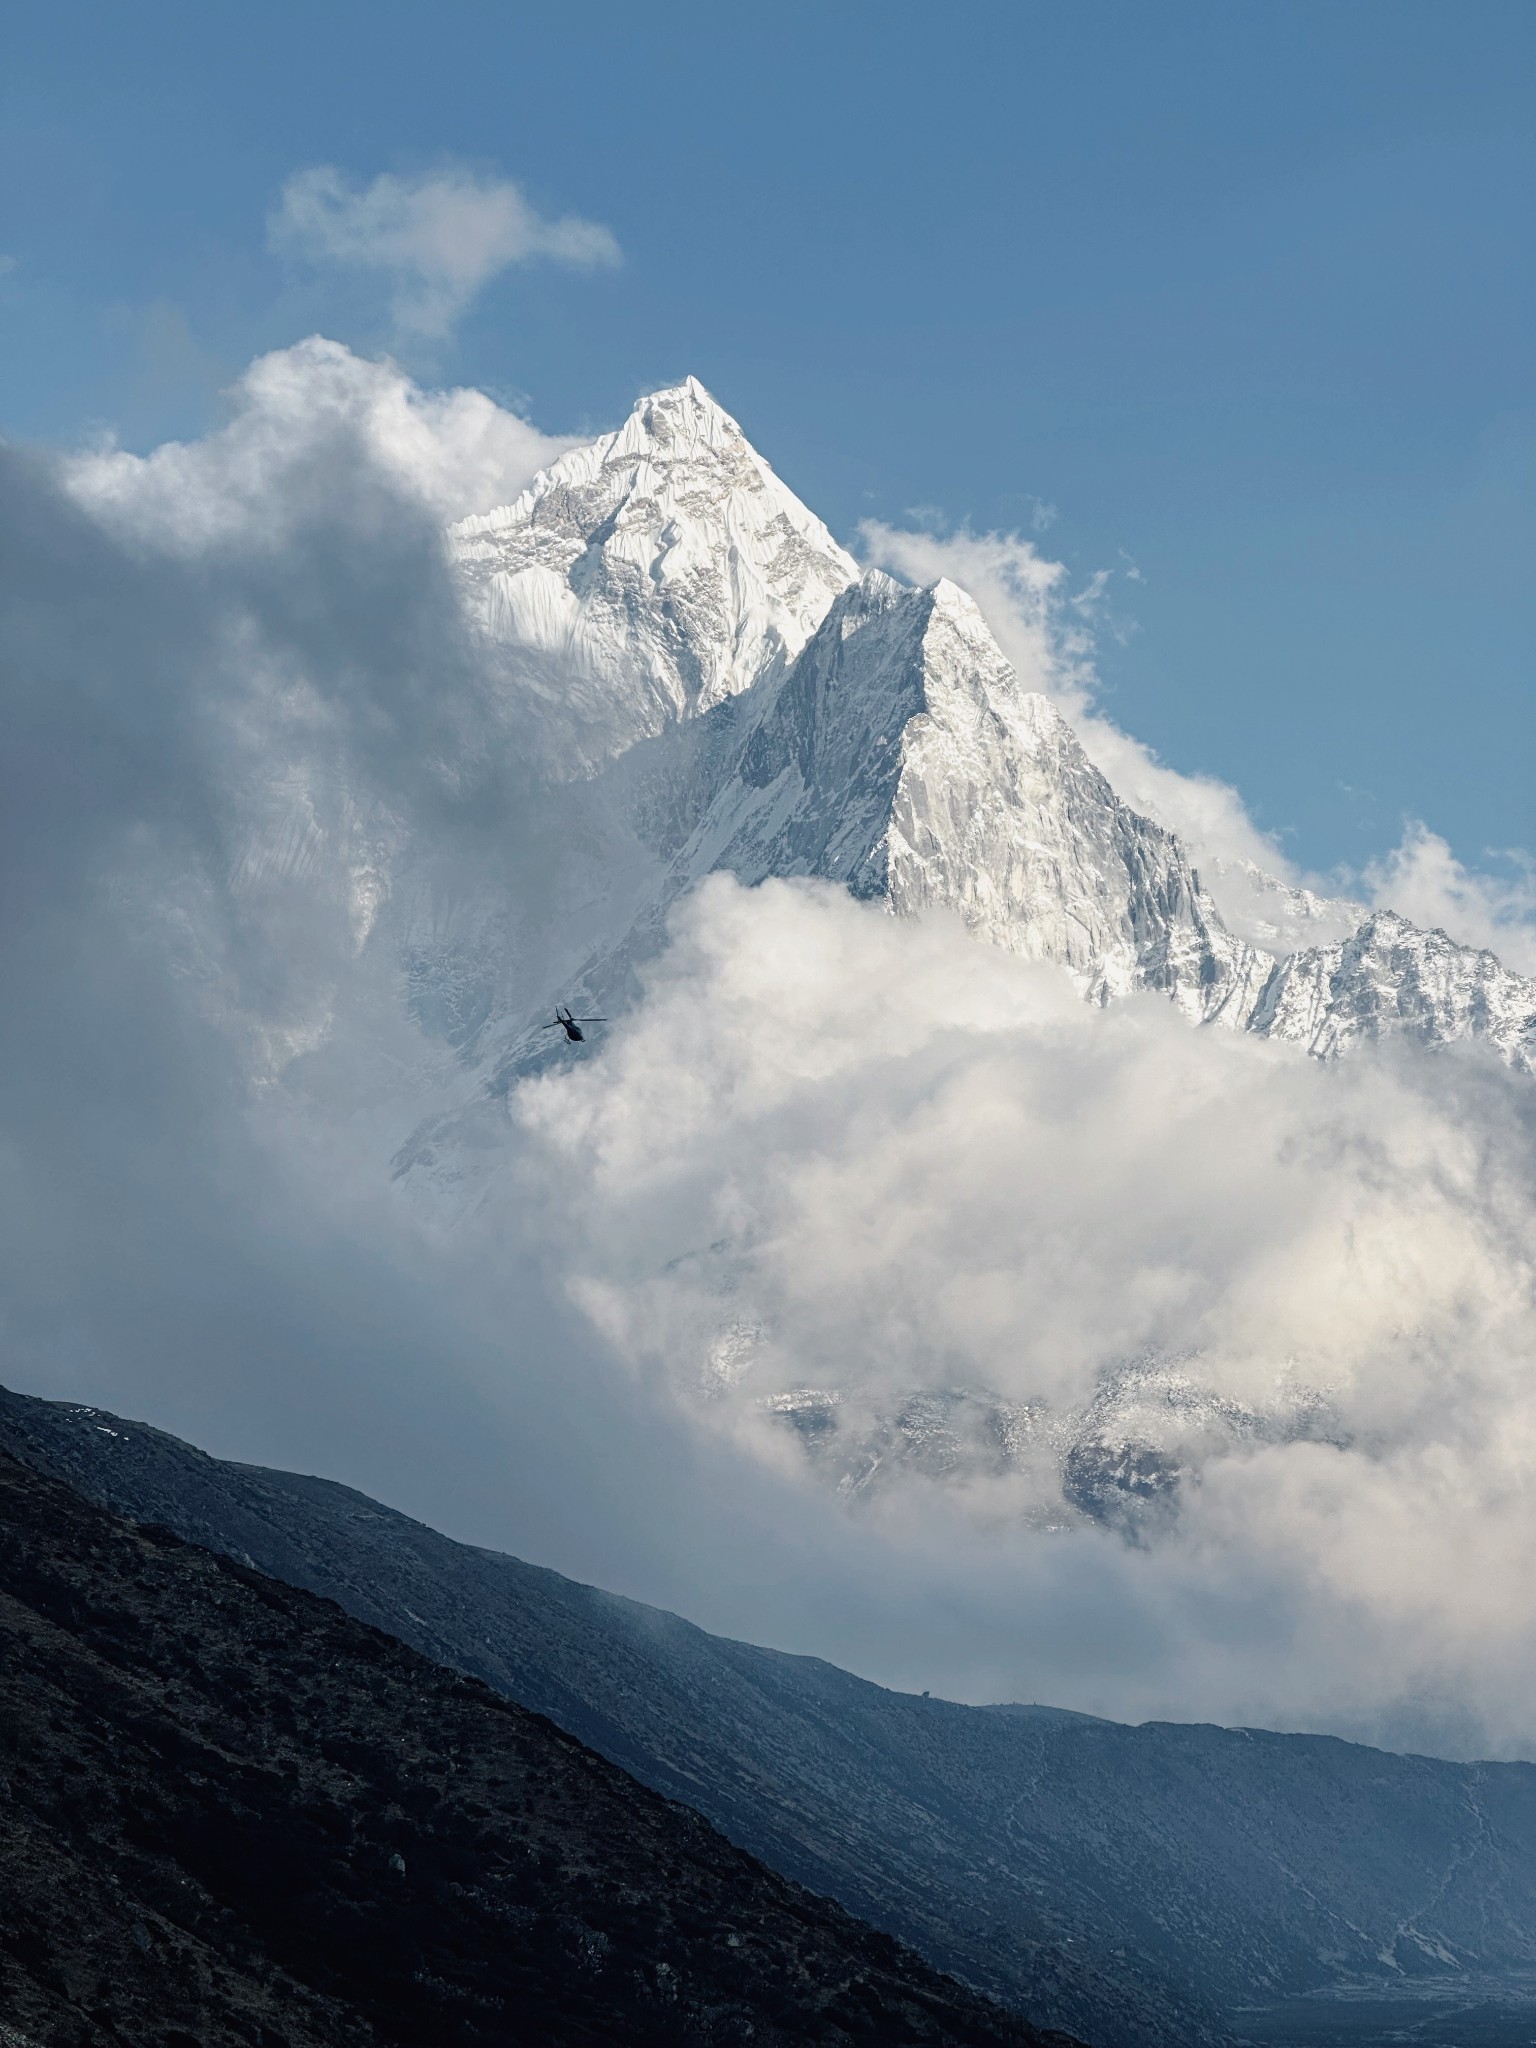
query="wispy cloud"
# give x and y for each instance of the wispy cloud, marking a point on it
(439, 238)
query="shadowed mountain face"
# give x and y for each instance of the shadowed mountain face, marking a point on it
(1132, 1884)
(236, 1815)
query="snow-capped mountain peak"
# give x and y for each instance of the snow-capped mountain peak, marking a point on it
(730, 693)
(1276, 916)
(649, 576)
(901, 757)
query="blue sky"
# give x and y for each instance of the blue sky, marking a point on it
(1243, 292)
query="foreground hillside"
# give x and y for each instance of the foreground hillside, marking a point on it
(236, 1815)
(1131, 1884)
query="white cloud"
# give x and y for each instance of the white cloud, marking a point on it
(440, 237)
(342, 691)
(296, 412)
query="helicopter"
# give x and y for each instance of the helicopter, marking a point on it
(571, 1026)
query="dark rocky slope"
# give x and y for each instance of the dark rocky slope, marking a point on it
(856, 1792)
(234, 1814)
(1132, 1884)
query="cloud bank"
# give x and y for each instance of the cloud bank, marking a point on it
(439, 237)
(830, 1153)
(862, 1163)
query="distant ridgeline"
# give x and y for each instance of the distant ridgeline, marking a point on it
(1140, 1887)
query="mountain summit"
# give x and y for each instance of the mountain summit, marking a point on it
(651, 575)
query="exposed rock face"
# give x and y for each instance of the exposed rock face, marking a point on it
(237, 1815)
(1133, 1884)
